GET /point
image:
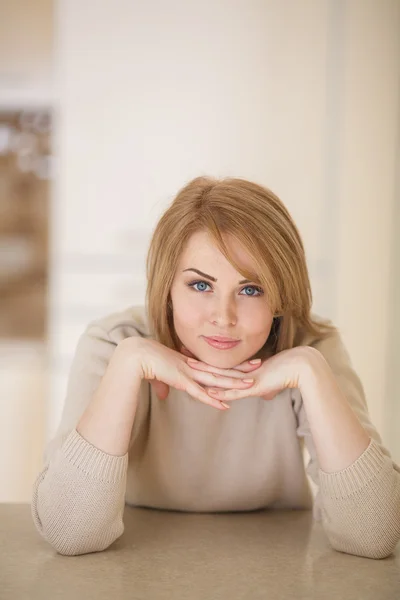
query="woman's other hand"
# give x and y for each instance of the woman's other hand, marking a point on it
(164, 367)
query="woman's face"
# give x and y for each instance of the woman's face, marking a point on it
(218, 302)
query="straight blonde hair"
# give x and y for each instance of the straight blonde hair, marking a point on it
(258, 219)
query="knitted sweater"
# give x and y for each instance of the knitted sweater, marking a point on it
(187, 456)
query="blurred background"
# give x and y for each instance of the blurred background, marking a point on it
(107, 108)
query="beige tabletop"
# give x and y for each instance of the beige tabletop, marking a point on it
(171, 555)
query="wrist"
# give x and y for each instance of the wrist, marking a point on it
(312, 364)
(127, 356)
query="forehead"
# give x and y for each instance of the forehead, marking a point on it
(201, 250)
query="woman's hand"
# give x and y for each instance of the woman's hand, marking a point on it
(281, 371)
(164, 367)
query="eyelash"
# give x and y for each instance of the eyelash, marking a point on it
(256, 287)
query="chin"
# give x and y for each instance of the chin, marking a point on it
(223, 362)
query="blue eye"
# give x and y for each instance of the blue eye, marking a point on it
(198, 283)
(253, 287)
(259, 291)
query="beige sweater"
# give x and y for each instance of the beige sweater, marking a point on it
(187, 456)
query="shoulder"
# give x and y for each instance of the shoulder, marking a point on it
(306, 338)
(116, 326)
(330, 345)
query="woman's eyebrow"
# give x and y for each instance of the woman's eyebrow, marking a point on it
(212, 278)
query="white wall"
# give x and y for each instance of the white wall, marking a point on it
(299, 96)
(393, 363)
(367, 194)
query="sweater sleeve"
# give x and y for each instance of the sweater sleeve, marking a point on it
(79, 496)
(359, 506)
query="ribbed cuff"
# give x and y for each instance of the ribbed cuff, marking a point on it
(367, 467)
(92, 460)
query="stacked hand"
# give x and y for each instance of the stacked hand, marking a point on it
(212, 378)
(279, 372)
(164, 367)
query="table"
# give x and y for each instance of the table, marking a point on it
(168, 555)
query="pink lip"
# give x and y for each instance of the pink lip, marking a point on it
(221, 345)
(221, 338)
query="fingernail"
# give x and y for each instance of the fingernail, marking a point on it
(255, 361)
(226, 405)
(247, 380)
(192, 360)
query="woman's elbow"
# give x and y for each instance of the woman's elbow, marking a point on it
(77, 547)
(85, 543)
(74, 537)
(376, 550)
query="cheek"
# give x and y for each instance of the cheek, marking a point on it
(187, 313)
(257, 321)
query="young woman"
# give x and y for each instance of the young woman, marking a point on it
(197, 401)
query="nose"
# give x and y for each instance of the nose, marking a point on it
(223, 313)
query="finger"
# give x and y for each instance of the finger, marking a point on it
(224, 395)
(246, 367)
(220, 381)
(199, 393)
(236, 372)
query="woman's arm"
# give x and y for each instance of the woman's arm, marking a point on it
(78, 498)
(358, 497)
(338, 435)
(108, 420)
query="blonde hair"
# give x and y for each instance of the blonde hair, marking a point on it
(255, 217)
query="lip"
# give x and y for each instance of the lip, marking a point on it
(221, 338)
(221, 345)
